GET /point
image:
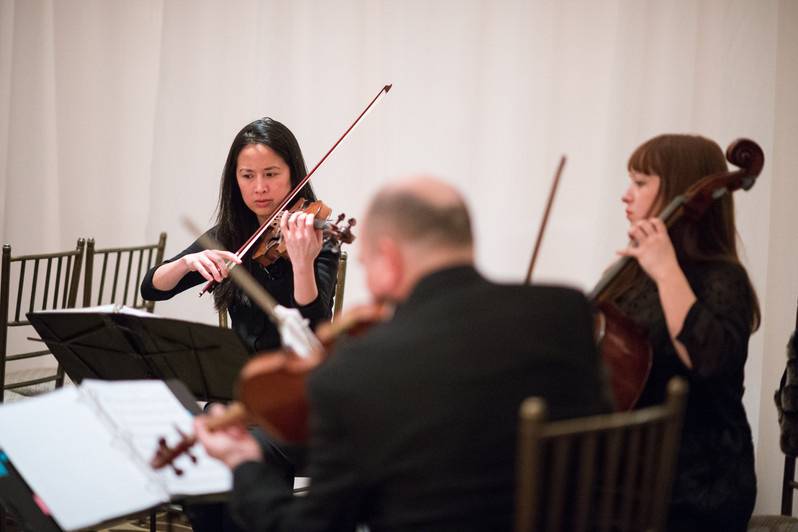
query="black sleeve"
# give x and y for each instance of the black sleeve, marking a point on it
(326, 267)
(718, 325)
(148, 291)
(260, 501)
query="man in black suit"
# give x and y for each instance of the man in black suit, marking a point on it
(414, 425)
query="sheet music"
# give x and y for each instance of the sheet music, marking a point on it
(144, 411)
(71, 459)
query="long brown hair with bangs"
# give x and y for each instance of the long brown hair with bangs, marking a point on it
(680, 161)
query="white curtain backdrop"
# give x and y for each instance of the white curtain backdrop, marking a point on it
(116, 117)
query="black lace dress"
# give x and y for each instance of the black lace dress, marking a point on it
(715, 484)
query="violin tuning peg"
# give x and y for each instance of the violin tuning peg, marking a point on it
(191, 457)
(177, 470)
(340, 218)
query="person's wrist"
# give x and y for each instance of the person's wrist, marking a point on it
(303, 266)
(667, 274)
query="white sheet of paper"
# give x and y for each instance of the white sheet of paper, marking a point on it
(155, 412)
(70, 458)
(110, 308)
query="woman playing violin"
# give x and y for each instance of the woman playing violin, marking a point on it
(698, 304)
(264, 164)
(262, 167)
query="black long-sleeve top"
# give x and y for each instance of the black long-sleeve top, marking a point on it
(715, 484)
(255, 329)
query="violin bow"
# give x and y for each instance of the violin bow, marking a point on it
(545, 220)
(291, 195)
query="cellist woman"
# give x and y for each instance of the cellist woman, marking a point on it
(263, 165)
(698, 304)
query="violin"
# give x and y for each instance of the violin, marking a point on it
(623, 344)
(269, 224)
(272, 245)
(273, 386)
(271, 389)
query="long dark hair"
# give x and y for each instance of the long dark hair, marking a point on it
(680, 161)
(235, 223)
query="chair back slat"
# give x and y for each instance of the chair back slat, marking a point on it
(116, 275)
(127, 276)
(340, 284)
(609, 473)
(631, 467)
(651, 438)
(58, 267)
(65, 293)
(102, 278)
(19, 292)
(559, 454)
(37, 297)
(612, 459)
(584, 487)
(138, 276)
(672, 430)
(47, 282)
(33, 284)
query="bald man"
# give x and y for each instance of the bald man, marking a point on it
(414, 425)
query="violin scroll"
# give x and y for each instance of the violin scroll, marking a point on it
(165, 455)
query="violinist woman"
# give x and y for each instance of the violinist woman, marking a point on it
(698, 304)
(262, 167)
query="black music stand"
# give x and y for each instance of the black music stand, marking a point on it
(117, 343)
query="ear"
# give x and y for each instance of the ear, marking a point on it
(393, 267)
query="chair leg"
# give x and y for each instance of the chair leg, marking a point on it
(2, 518)
(153, 520)
(786, 485)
